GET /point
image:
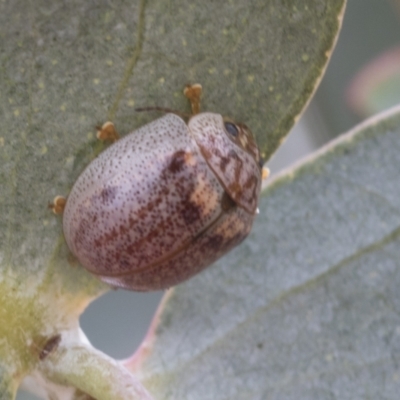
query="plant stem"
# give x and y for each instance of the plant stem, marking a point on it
(92, 372)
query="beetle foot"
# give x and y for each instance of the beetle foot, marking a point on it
(58, 204)
(107, 132)
(265, 173)
(193, 94)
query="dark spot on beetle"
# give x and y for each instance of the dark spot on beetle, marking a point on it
(190, 212)
(108, 194)
(124, 264)
(150, 206)
(50, 346)
(251, 182)
(178, 161)
(141, 214)
(235, 189)
(109, 237)
(123, 230)
(211, 140)
(251, 189)
(165, 190)
(234, 155)
(260, 345)
(214, 243)
(227, 203)
(223, 163)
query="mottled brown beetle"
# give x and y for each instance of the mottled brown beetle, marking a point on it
(165, 201)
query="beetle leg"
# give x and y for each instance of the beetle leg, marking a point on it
(107, 132)
(58, 204)
(193, 94)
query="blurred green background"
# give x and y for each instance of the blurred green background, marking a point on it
(117, 322)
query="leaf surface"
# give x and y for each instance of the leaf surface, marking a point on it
(308, 307)
(67, 66)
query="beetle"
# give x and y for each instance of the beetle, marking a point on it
(165, 201)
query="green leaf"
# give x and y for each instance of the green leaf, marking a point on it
(67, 66)
(308, 307)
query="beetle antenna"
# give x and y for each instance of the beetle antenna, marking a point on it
(163, 109)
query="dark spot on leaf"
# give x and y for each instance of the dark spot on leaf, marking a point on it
(50, 346)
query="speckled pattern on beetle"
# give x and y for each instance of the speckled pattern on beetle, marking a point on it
(165, 201)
